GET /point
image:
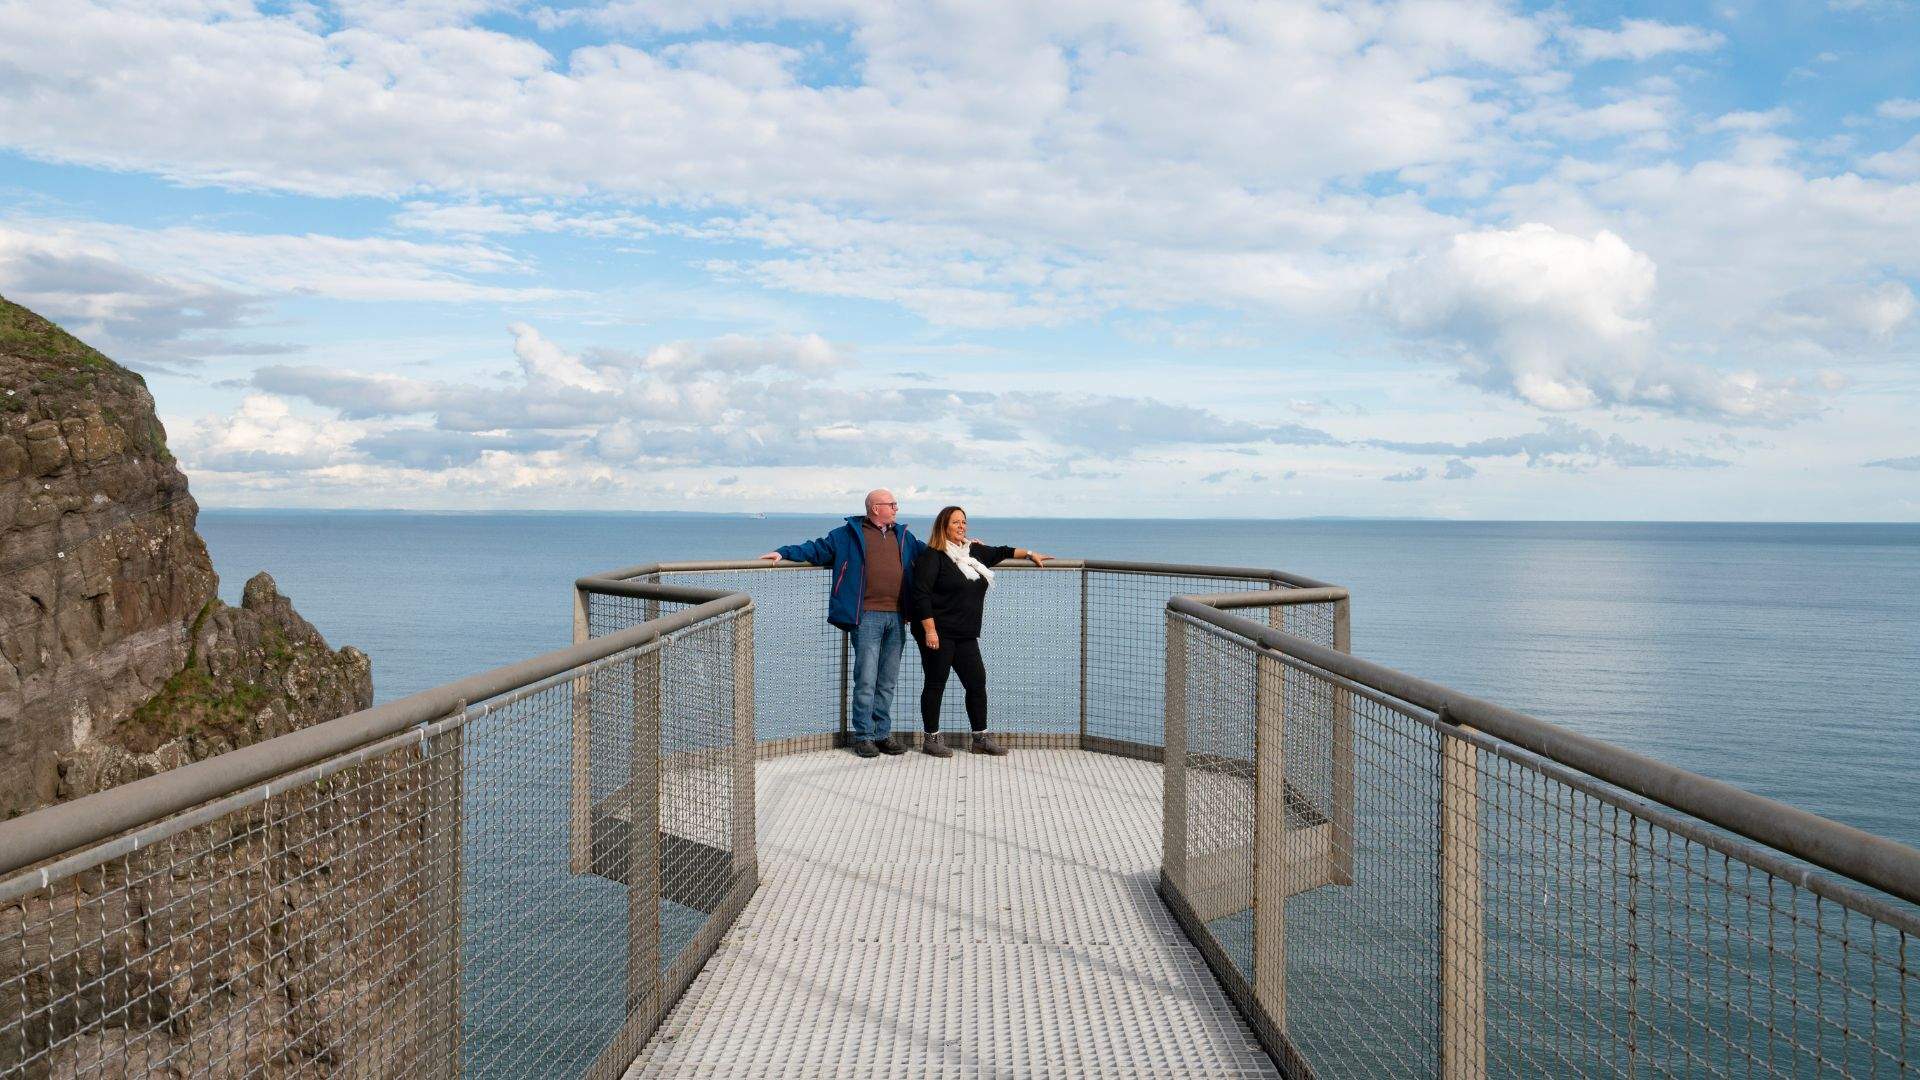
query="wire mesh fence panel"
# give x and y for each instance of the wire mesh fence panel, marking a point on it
(601, 819)
(1456, 905)
(1126, 643)
(1029, 643)
(1620, 939)
(544, 939)
(696, 816)
(1220, 708)
(497, 894)
(307, 928)
(796, 651)
(1362, 960)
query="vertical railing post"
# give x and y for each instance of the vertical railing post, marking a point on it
(1463, 988)
(580, 799)
(745, 858)
(1340, 858)
(1173, 816)
(446, 822)
(1083, 657)
(1270, 863)
(644, 875)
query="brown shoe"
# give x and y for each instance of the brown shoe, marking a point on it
(983, 745)
(935, 746)
(889, 746)
(865, 749)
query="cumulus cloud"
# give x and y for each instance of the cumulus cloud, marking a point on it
(1899, 109)
(1639, 39)
(736, 400)
(1408, 476)
(1006, 165)
(1459, 470)
(1561, 321)
(263, 435)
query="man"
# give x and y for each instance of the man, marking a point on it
(872, 561)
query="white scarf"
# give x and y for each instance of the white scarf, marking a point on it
(974, 569)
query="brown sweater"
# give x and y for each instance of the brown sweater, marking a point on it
(884, 577)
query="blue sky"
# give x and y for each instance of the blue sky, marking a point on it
(1142, 258)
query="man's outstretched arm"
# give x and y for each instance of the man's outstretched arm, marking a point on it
(818, 552)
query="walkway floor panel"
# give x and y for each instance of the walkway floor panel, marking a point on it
(975, 917)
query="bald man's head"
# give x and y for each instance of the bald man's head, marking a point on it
(882, 508)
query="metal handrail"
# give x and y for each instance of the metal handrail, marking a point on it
(52, 830)
(1118, 566)
(1884, 864)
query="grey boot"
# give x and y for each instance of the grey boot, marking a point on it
(935, 746)
(984, 745)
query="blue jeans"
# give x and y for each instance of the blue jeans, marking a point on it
(876, 667)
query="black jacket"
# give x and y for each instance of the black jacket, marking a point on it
(942, 591)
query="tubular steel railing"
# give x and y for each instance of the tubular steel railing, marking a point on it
(404, 891)
(1395, 879)
(519, 873)
(1075, 648)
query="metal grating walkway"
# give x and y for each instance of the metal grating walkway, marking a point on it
(975, 917)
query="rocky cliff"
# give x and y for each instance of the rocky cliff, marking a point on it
(117, 660)
(266, 941)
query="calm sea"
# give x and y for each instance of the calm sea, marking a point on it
(1782, 658)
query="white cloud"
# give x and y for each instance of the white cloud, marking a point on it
(1901, 164)
(263, 435)
(1560, 321)
(1559, 444)
(740, 401)
(1361, 167)
(140, 318)
(1732, 236)
(1750, 120)
(1639, 114)
(492, 219)
(1899, 109)
(1843, 319)
(255, 264)
(1639, 39)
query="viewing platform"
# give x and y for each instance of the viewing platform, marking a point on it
(968, 917)
(1222, 845)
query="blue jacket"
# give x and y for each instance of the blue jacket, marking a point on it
(845, 550)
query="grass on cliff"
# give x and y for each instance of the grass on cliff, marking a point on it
(27, 335)
(63, 363)
(191, 704)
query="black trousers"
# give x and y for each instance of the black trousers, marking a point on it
(963, 659)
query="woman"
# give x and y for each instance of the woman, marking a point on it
(950, 584)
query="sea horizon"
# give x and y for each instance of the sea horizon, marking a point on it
(649, 512)
(1695, 642)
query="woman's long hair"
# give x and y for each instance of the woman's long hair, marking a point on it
(938, 538)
